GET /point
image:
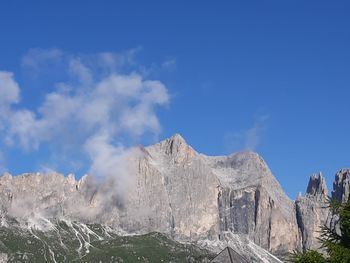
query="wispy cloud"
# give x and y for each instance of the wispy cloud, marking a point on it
(102, 105)
(2, 163)
(254, 134)
(169, 64)
(9, 89)
(248, 139)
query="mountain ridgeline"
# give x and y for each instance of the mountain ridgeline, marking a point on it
(211, 202)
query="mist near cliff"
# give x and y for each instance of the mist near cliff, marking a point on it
(99, 106)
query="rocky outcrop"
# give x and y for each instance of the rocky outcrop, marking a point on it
(317, 186)
(312, 211)
(341, 186)
(252, 202)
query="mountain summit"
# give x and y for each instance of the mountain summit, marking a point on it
(317, 185)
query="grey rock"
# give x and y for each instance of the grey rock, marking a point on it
(341, 185)
(317, 186)
(252, 202)
(3, 258)
(312, 212)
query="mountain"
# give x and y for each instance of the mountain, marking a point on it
(170, 188)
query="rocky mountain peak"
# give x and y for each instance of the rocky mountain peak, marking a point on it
(175, 144)
(6, 176)
(177, 137)
(341, 185)
(177, 149)
(312, 211)
(71, 179)
(317, 185)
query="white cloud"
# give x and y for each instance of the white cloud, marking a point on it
(2, 163)
(247, 139)
(95, 111)
(38, 59)
(109, 161)
(22, 129)
(9, 89)
(253, 135)
(9, 94)
(169, 64)
(82, 72)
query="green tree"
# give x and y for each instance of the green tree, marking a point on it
(310, 256)
(335, 239)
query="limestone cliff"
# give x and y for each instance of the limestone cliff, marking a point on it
(312, 211)
(341, 185)
(177, 191)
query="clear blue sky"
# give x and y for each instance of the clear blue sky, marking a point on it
(272, 76)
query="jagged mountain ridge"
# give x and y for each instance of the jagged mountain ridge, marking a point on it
(177, 191)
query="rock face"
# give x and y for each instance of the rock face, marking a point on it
(252, 202)
(341, 185)
(317, 186)
(175, 190)
(312, 211)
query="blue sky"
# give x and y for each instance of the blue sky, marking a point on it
(270, 76)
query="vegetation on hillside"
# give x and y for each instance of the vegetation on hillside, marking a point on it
(74, 242)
